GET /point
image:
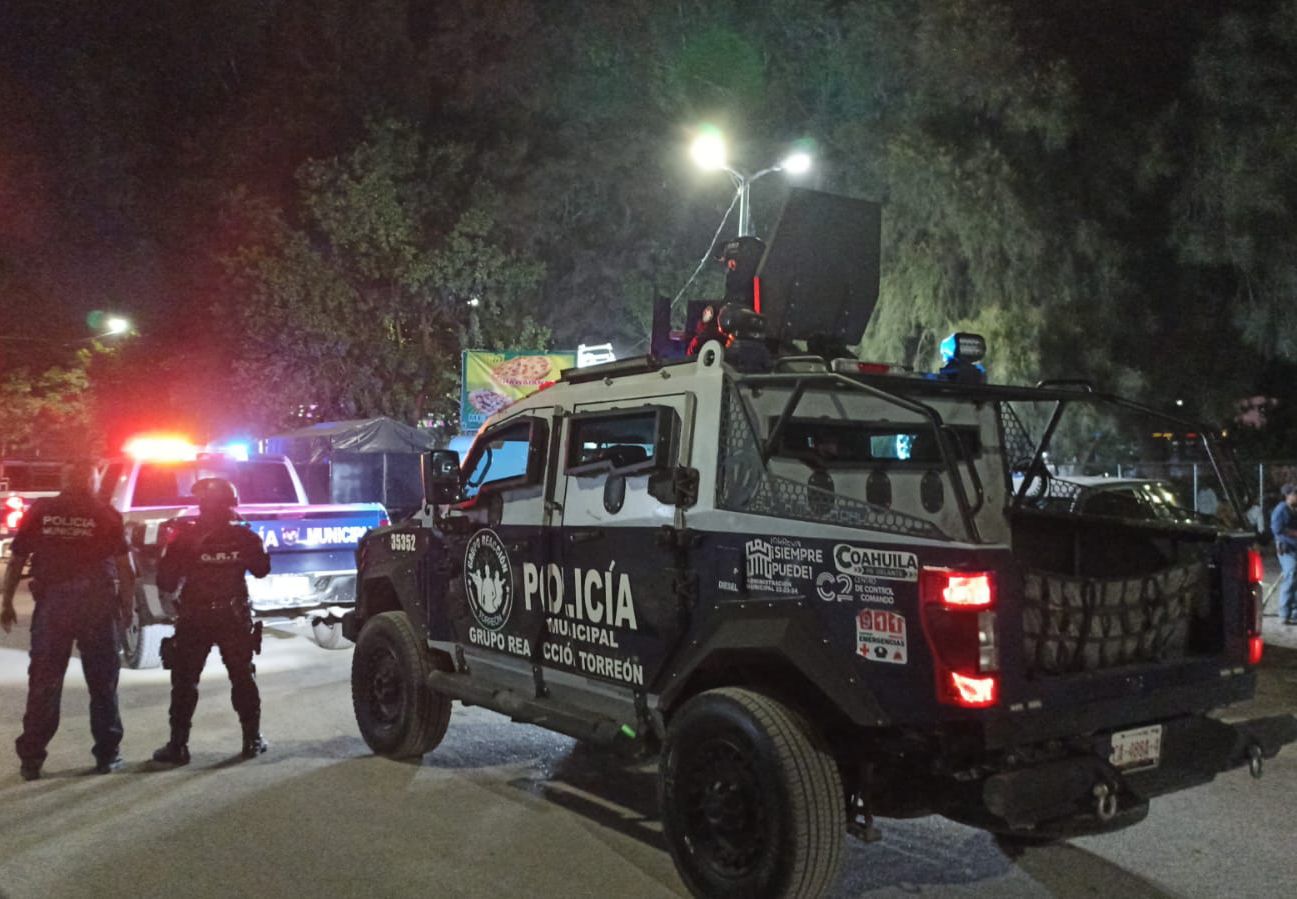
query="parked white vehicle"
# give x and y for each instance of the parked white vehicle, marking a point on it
(312, 547)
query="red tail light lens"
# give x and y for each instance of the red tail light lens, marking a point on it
(1255, 574)
(975, 692)
(14, 507)
(968, 591)
(1255, 567)
(959, 622)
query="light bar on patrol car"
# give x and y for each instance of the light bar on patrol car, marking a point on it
(160, 448)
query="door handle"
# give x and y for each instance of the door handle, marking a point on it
(585, 535)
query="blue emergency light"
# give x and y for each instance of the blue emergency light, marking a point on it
(963, 346)
(961, 353)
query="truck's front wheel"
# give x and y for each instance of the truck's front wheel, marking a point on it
(399, 714)
(752, 802)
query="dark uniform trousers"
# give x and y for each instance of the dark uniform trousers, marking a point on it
(81, 611)
(228, 626)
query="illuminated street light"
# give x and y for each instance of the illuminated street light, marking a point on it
(709, 153)
(708, 150)
(117, 325)
(798, 163)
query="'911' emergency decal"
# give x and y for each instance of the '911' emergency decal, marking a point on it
(880, 636)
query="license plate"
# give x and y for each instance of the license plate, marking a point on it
(278, 587)
(1135, 750)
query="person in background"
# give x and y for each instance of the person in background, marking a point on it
(1283, 524)
(82, 582)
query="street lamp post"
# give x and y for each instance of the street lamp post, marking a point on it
(709, 152)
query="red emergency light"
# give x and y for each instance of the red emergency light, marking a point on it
(161, 448)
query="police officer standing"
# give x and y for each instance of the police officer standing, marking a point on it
(209, 557)
(77, 545)
(1283, 524)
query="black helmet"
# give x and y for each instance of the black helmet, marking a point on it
(215, 495)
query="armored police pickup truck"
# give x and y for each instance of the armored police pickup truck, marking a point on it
(825, 593)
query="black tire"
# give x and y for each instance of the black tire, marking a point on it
(752, 801)
(398, 714)
(141, 644)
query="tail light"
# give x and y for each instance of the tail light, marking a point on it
(13, 510)
(1255, 574)
(383, 521)
(959, 622)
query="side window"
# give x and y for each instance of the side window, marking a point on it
(505, 457)
(847, 444)
(108, 481)
(623, 442)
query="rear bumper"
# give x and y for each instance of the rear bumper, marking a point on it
(1085, 794)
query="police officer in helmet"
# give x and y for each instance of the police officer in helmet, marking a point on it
(207, 561)
(82, 582)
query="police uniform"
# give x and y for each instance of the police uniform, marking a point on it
(74, 542)
(210, 557)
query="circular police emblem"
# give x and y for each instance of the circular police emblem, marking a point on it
(488, 580)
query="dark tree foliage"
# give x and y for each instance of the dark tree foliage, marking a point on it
(299, 202)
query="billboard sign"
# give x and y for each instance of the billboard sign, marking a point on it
(491, 381)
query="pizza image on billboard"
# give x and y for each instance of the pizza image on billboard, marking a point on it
(523, 370)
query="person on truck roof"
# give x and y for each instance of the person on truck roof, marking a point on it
(207, 561)
(81, 581)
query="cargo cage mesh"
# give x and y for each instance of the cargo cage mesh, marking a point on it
(1074, 624)
(743, 484)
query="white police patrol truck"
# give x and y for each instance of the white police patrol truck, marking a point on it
(311, 546)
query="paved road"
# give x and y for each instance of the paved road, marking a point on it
(510, 810)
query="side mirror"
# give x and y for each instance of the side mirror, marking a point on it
(441, 485)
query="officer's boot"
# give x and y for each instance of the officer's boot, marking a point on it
(176, 752)
(253, 743)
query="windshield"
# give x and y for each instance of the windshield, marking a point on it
(172, 484)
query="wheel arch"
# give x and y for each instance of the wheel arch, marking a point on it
(775, 655)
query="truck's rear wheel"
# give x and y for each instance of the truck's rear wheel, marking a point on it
(398, 714)
(141, 644)
(752, 802)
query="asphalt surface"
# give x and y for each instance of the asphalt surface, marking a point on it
(502, 809)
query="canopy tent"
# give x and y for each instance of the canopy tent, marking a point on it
(317, 442)
(364, 460)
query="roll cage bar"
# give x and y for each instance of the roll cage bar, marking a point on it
(1060, 392)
